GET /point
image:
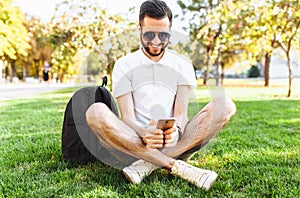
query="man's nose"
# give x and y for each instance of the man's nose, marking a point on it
(156, 40)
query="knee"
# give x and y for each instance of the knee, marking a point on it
(230, 110)
(96, 113)
(223, 107)
(230, 107)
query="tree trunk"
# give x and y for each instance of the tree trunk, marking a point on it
(267, 68)
(109, 68)
(110, 79)
(222, 74)
(217, 67)
(36, 65)
(1, 65)
(7, 71)
(62, 77)
(25, 71)
(290, 74)
(205, 79)
(14, 69)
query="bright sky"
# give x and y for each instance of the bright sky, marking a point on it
(45, 8)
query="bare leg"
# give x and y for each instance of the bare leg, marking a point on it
(204, 126)
(112, 132)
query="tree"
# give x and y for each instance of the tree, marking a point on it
(206, 29)
(39, 51)
(267, 24)
(13, 35)
(63, 46)
(84, 26)
(214, 31)
(277, 26)
(253, 72)
(122, 38)
(288, 27)
(229, 45)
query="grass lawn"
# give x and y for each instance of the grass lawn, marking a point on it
(256, 155)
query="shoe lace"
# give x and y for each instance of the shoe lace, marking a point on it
(142, 167)
(193, 174)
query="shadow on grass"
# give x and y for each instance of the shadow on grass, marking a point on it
(259, 142)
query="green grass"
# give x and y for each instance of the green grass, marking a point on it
(256, 155)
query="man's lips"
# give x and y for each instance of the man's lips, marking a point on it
(155, 46)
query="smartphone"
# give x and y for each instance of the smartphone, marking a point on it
(165, 123)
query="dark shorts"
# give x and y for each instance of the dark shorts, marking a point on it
(46, 76)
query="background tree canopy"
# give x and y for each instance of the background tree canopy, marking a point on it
(83, 39)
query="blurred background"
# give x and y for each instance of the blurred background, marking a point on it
(79, 41)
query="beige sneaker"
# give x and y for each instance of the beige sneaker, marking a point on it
(136, 172)
(200, 177)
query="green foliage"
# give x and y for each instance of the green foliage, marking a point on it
(13, 34)
(215, 33)
(256, 155)
(40, 50)
(76, 31)
(253, 72)
(222, 32)
(240, 31)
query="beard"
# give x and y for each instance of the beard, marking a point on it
(147, 48)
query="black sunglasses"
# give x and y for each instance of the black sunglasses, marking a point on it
(150, 35)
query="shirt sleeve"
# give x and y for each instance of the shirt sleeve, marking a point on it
(121, 80)
(188, 74)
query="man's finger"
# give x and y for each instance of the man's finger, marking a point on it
(156, 141)
(169, 131)
(155, 137)
(168, 137)
(155, 146)
(158, 132)
(152, 123)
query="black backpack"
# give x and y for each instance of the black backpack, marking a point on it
(77, 137)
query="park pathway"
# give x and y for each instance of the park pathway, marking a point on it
(10, 91)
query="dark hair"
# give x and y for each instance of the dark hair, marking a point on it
(156, 9)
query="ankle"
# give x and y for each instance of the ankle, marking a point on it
(170, 165)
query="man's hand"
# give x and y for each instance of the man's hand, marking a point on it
(154, 137)
(171, 137)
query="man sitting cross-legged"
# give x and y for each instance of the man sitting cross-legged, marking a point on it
(155, 82)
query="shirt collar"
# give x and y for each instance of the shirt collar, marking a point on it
(162, 61)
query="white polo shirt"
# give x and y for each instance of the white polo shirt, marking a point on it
(153, 84)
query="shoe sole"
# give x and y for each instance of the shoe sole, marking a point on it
(210, 180)
(129, 177)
